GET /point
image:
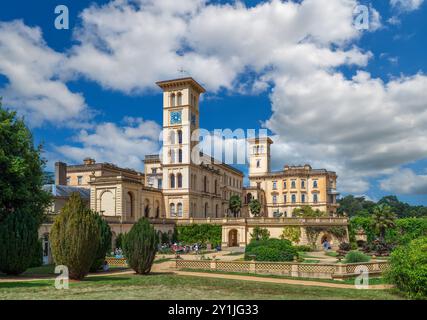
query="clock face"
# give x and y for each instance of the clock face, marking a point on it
(175, 117)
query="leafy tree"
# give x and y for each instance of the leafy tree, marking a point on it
(235, 204)
(119, 240)
(20, 246)
(140, 246)
(352, 205)
(406, 230)
(255, 207)
(383, 218)
(21, 168)
(259, 233)
(75, 237)
(291, 233)
(408, 268)
(307, 212)
(22, 199)
(104, 243)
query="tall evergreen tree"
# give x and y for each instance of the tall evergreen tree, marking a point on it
(140, 246)
(75, 237)
(104, 243)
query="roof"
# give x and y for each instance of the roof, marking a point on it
(170, 84)
(57, 190)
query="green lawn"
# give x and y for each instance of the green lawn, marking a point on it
(168, 286)
(372, 280)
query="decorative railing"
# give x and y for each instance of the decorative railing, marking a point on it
(116, 262)
(306, 270)
(264, 220)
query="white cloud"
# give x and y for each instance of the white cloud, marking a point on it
(405, 181)
(360, 127)
(32, 70)
(406, 5)
(128, 45)
(125, 145)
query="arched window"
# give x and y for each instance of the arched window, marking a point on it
(129, 204)
(315, 198)
(172, 180)
(180, 155)
(293, 184)
(179, 99)
(172, 137)
(206, 209)
(172, 156)
(179, 207)
(180, 136)
(172, 209)
(173, 100)
(179, 180)
(303, 198)
(108, 204)
(294, 198)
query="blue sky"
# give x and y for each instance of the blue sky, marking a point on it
(348, 100)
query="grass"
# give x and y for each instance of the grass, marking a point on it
(372, 281)
(331, 254)
(168, 286)
(311, 261)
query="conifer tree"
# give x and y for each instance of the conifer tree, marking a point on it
(75, 237)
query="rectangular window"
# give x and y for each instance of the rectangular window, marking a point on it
(303, 198)
(284, 184)
(274, 185)
(285, 198)
(293, 184)
(153, 170)
(315, 184)
(303, 184)
(159, 183)
(79, 180)
(274, 199)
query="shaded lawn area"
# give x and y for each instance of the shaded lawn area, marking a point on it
(169, 286)
(372, 280)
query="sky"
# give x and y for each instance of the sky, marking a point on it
(331, 92)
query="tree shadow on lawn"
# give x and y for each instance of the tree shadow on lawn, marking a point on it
(10, 285)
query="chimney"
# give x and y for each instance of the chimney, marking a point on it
(88, 161)
(61, 173)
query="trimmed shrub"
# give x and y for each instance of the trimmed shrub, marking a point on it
(408, 268)
(140, 246)
(356, 256)
(75, 237)
(270, 250)
(104, 244)
(20, 247)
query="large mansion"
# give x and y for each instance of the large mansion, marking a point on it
(173, 189)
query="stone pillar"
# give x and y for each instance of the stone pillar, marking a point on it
(252, 266)
(294, 270)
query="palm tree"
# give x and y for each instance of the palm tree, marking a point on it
(255, 207)
(235, 204)
(383, 218)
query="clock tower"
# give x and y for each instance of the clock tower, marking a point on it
(180, 119)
